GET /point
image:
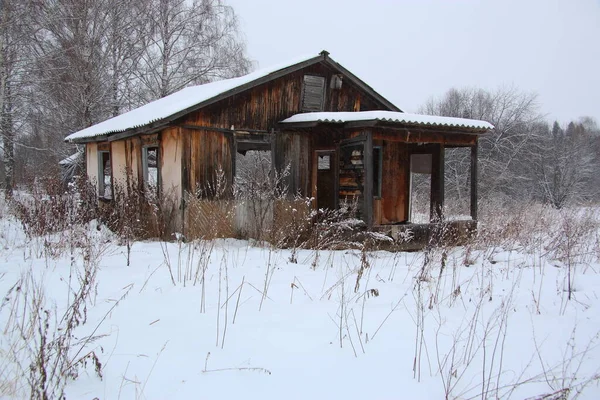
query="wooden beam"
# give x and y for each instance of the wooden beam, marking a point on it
(233, 148)
(244, 145)
(368, 168)
(474, 151)
(437, 185)
(360, 124)
(424, 136)
(442, 180)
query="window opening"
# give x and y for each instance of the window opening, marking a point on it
(457, 183)
(377, 170)
(150, 165)
(104, 175)
(324, 162)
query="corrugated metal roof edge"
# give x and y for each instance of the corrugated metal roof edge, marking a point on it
(408, 121)
(478, 127)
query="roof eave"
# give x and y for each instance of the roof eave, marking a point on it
(387, 124)
(85, 140)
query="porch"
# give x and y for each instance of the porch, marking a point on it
(371, 159)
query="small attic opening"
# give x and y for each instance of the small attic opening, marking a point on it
(313, 93)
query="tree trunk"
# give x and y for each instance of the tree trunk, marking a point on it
(8, 142)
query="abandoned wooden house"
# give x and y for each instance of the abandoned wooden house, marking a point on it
(339, 139)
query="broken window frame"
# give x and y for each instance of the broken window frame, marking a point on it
(321, 157)
(102, 184)
(145, 169)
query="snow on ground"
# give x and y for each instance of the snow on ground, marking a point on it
(493, 320)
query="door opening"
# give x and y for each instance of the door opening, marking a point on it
(325, 180)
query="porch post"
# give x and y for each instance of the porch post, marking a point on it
(368, 168)
(474, 149)
(437, 184)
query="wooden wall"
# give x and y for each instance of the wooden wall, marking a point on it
(395, 183)
(294, 150)
(264, 106)
(204, 154)
(91, 155)
(170, 159)
(118, 161)
(424, 136)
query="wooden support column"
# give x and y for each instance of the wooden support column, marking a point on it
(437, 184)
(368, 169)
(233, 151)
(474, 151)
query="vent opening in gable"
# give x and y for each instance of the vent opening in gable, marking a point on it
(313, 93)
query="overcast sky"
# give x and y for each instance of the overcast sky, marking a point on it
(412, 50)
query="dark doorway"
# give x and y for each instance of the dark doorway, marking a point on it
(325, 180)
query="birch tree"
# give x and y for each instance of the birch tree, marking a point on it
(188, 43)
(14, 30)
(90, 60)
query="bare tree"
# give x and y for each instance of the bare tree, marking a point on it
(188, 43)
(14, 30)
(68, 64)
(504, 150)
(123, 51)
(71, 54)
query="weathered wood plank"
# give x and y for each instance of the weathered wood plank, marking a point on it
(474, 151)
(417, 136)
(368, 190)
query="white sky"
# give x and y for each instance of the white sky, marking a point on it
(411, 50)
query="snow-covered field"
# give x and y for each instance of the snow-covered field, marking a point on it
(234, 319)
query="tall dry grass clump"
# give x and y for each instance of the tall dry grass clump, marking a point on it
(42, 346)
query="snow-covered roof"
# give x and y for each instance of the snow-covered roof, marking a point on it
(387, 116)
(71, 159)
(176, 102)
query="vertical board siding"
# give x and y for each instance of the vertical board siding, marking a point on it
(293, 150)
(394, 185)
(171, 150)
(118, 163)
(91, 153)
(207, 153)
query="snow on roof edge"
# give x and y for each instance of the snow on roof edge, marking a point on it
(387, 116)
(185, 98)
(72, 158)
